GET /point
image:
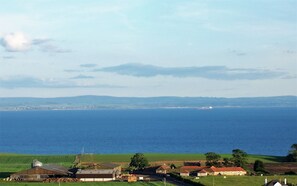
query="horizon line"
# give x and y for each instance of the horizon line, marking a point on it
(151, 96)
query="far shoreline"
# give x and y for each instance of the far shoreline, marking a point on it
(153, 108)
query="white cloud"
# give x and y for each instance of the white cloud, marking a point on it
(19, 42)
(16, 42)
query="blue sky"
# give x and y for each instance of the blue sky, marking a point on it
(213, 48)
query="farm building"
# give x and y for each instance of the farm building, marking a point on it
(129, 178)
(190, 170)
(274, 183)
(40, 172)
(232, 171)
(192, 163)
(202, 173)
(184, 173)
(163, 169)
(95, 175)
(102, 172)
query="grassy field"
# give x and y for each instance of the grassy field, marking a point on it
(177, 157)
(10, 163)
(86, 184)
(20, 158)
(242, 180)
(17, 162)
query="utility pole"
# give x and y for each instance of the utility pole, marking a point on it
(165, 178)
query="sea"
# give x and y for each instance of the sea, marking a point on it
(265, 131)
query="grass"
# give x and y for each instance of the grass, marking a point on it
(242, 180)
(10, 163)
(85, 184)
(150, 157)
(20, 158)
(174, 157)
(16, 162)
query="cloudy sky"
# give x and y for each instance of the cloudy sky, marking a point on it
(221, 48)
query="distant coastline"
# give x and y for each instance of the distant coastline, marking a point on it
(108, 102)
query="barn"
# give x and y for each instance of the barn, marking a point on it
(40, 172)
(101, 172)
(233, 171)
(163, 169)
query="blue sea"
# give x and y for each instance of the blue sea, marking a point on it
(267, 131)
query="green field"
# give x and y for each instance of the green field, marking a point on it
(174, 157)
(242, 180)
(17, 162)
(10, 163)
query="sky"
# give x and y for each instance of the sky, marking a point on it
(148, 48)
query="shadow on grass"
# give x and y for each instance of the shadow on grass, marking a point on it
(5, 174)
(275, 158)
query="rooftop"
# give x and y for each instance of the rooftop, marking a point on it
(226, 169)
(95, 171)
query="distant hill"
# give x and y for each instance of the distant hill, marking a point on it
(107, 102)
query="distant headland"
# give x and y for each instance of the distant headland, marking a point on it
(108, 102)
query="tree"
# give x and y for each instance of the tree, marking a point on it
(138, 162)
(172, 166)
(259, 166)
(239, 157)
(227, 162)
(292, 155)
(212, 159)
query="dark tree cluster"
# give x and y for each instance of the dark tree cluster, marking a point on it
(292, 155)
(138, 162)
(212, 159)
(239, 159)
(259, 166)
(227, 162)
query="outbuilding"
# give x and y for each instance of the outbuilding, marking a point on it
(163, 169)
(102, 172)
(190, 170)
(202, 173)
(231, 171)
(40, 172)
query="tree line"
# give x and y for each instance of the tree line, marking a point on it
(239, 159)
(292, 155)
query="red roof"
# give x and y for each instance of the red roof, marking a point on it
(191, 168)
(184, 171)
(163, 167)
(226, 169)
(203, 171)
